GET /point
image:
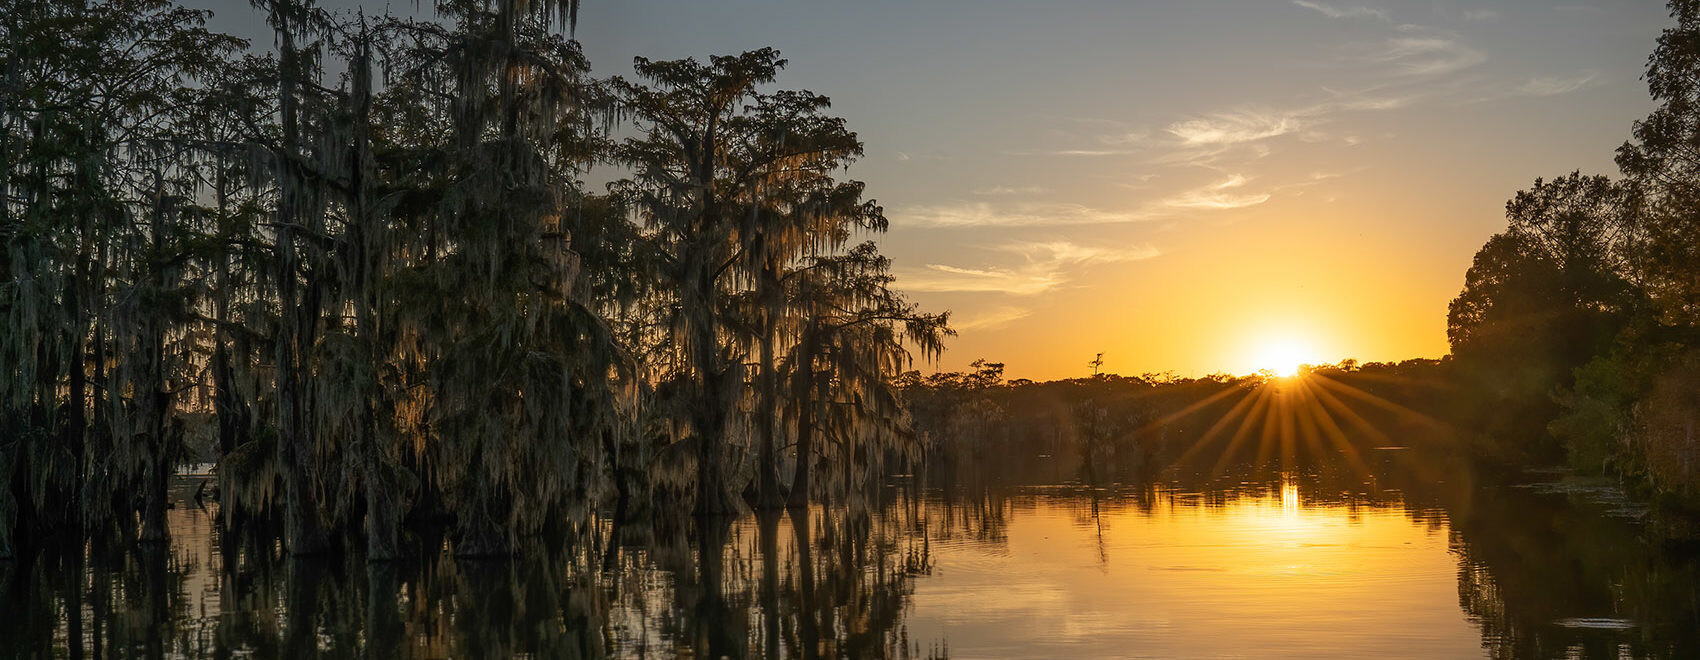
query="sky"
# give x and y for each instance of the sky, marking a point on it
(1192, 186)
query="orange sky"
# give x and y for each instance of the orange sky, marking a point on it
(1181, 185)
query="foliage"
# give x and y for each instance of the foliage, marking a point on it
(1578, 314)
(382, 298)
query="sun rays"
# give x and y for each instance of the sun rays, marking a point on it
(1304, 412)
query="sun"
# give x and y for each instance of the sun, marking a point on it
(1283, 356)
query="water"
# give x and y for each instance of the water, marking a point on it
(1187, 577)
(1279, 563)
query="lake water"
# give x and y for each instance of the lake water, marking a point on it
(1295, 563)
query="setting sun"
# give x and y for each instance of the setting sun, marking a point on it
(1283, 356)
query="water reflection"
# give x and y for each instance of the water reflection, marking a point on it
(1407, 561)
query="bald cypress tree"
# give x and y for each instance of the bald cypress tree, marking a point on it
(94, 159)
(520, 368)
(686, 190)
(738, 191)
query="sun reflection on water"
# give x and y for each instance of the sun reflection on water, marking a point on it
(1202, 575)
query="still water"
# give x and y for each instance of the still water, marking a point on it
(1287, 563)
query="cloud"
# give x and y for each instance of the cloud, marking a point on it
(981, 214)
(1138, 138)
(991, 319)
(1072, 253)
(1073, 152)
(1092, 152)
(1236, 127)
(1377, 103)
(941, 277)
(1044, 266)
(1313, 179)
(1555, 85)
(1428, 55)
(1480, 15)
(1008, 190)
(1332, 11)
(1540, 86)
(1219, 196)
(1410, 64)
(1225, 194)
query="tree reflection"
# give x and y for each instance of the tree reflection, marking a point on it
(1540, 570)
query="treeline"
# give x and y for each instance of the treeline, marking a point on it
(977, 426)
(361, 274)
(1577, 333)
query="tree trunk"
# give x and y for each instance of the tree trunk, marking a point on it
(383, 505)
(76, 423)
(156, 479)
(303, 534)
(383, 513)
(709, 418)
(156, 403)
(768, 494)
(481, 524)
(228, 406)
(799, 497)
(712, 496)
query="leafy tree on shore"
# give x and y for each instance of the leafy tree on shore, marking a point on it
(1584, 311)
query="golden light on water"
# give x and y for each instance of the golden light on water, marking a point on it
(1193, 577)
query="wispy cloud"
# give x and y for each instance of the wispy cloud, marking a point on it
(1333, 11)
(942, 277)
(1008, 190)
(1066, 252)
(1313, 179)
(1369, 102)
(1406, 65)
(982, 214)
(992, 318)
(1221, 195)
(1137, 138)
(1245, 125)
(1224, 194)
(1072, 152)
(1555, 85)
(1043, 266)
(1480, 15)
(1428, 54)
(1539, 86)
